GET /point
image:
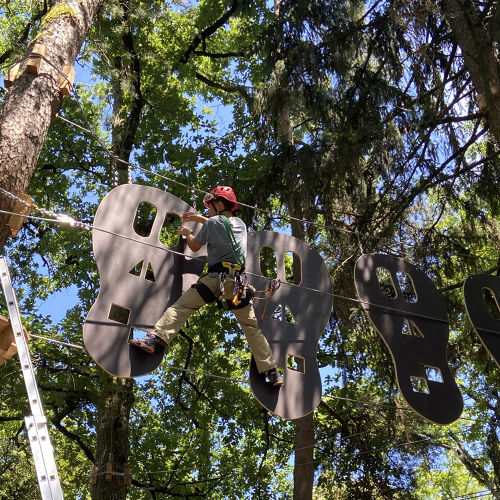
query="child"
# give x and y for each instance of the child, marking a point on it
(226, 238)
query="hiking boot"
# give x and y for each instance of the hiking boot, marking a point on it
(275, 377)
(148, 344)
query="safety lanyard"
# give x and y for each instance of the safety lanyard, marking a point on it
(240, 258)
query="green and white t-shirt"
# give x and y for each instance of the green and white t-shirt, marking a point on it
(213, 234)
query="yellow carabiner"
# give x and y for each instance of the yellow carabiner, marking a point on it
(231, 267)
(237, 297)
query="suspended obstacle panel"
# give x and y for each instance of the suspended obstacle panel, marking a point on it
(481, 293)
(408, 312)
(139, 276)
(292, 320)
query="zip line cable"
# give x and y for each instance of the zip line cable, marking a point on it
(131, 165)
(231, 379)
(55, 217)
(247, 382)
(48, 339)
(170, 367)
(200, 191)
(316, 462)
(65, 219)
(74, 223)
(169, 179)
(199, 373)
(222, 377)
(179, 183)
(313, 290)
(324, 461)
(118, 159)
(191, 188)
(62, 219)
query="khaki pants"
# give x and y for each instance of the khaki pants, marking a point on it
(176, 315)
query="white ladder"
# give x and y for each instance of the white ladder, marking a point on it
(36, 423)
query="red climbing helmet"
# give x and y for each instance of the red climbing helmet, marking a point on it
(225, 192)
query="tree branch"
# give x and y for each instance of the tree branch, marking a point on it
(208, 31)
(227, 88)
(24, 37)
(76, 438)
(217, 55)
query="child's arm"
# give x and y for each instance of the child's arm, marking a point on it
(192, 242)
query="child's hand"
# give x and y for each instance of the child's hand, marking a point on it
(193, 217)
(184, 231)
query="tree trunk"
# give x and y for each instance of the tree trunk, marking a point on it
(303, 474)
(118, 395)
(34, 99)
(126, 112)
(474, 467)
(303, 471)
(470, 32)
(109, 474)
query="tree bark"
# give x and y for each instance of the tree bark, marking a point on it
(303, 471)
(29, 108)
(112, 451)
(126, 112)
(34, 99)
(470, 33)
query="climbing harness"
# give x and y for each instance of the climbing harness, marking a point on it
(243, 292)
(207, 295)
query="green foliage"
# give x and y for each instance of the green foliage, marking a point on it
(383, 159)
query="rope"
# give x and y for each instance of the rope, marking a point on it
(327, 460)
(247, 382)
(205, 374)
(63, 218)
(48, 339)
(170, 367)
(192, 189)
